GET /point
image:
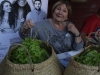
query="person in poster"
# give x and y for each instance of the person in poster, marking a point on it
(38, 12)
(20, 9)
(8, 18)
(8, 27)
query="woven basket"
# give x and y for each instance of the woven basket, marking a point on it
(75, 68)
(95, 40)
(51, 66)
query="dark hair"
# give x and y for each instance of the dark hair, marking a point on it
(26, 9)
(67, 3)
(35, 1)
(11, 17)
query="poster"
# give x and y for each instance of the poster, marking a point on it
(12, 16)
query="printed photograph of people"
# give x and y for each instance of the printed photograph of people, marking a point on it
(17, 15)
(21, 9)
(37, 13)
(13, 14)
(7, 18)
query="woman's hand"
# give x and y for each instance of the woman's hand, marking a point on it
(28, 24)
(73, 29)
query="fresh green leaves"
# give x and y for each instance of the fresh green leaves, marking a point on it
(38, 54)
(90, 57)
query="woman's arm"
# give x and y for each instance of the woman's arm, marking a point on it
(26, 28)
(71, 27)
(78, 42)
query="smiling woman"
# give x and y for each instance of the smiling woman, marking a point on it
(7, 18)
(21, 2)
(21, 8)
(58, 26)
(8, 27)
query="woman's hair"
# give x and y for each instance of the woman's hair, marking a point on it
(11, 17)
(26, 9)
(68, 5)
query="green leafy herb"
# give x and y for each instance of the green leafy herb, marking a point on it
(38, 54)
(90, 57)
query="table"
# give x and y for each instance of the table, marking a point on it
(65, 57)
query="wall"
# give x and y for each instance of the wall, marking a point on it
(79, 10)
(50, 4)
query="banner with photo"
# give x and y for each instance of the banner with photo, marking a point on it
(13, 13)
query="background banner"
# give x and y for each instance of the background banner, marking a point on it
(13, 13)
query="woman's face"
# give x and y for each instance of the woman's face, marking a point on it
(7, 7)
(12, 1)
(22, 2)
(61, 13)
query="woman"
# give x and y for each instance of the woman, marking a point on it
(63, 33)
(7, 18)
(8, 27)
(21, 8)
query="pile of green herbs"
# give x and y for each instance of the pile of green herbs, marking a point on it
(37, 53)
(90, 57)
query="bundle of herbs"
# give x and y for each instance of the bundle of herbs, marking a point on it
(36, 51)
(90, 56)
